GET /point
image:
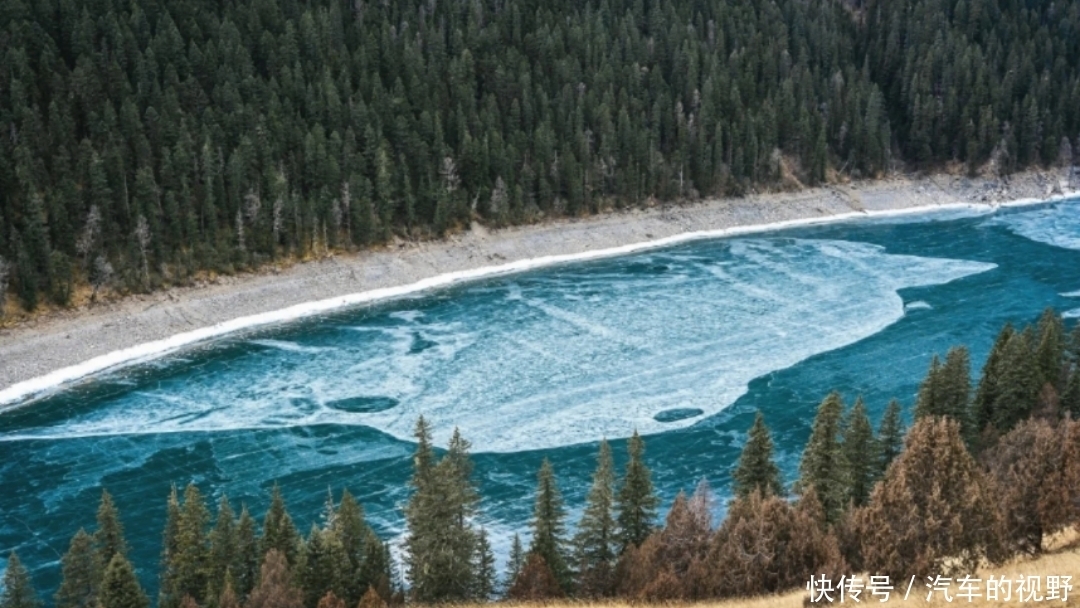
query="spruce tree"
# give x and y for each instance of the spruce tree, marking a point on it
(82, 573)
(223, 550)
(990, 383)
(595, 543)
(18, 588)
(823, 467)
(1070, 401)
(169, 549)
(756, 469)
(279, 532)
(1050, 351)
(441, 542)
(120, 587)
(890, 436)
(861, 453)
(351, 531)
(109, 537)
(245, 567)
(548, 529)
(930, 399)
(516, 560)
(188, 565)
(1019, 384)
(484, 579)
(324, 566)
(955, 386)
(636, 502)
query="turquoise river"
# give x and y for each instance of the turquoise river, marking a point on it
(683, 343)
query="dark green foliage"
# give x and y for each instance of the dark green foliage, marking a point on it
(245, 567)
(990, 384)
(323, 567)
(1050, 351)
(186, 564)
(18, 588)
(1019, 383)
(109, 537)
(441, 545)
(636, 502)
(279, 531)
(824, 467)
(120, 587)
(890, 436)
(484, 567)
(946, 390)
(224, 542)
(516, 560)
(548, 527)
(82, 574)
(595, 544)
(756, 469)
(161, 138)
(861, 452)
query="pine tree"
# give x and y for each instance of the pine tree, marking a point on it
(1070, 400)
(636, 502)
(890, 437)
(279, 532)
(167, 576)
(548, 529)
(18, 588)
(82, 573)
(824, 468)
(441, 543)
(990, 383)
(187, 566)
(516, 560)
(930, 399)
(756, 469)
(324, 566)
(246, 563)
(109, 537)
(955, 387)
(861, 453)
(484, 567)
(595, 542)
(351, 531)
(224, 542)
(1019, 384)
(1050, 351)
(120, 587)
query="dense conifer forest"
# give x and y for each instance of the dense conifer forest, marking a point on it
(144, 141)
(987, 471)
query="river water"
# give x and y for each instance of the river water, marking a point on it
(683, 344)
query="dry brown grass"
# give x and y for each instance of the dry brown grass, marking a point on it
(1062, 558)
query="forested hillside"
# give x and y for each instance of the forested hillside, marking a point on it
(143, 141)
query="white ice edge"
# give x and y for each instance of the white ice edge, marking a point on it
(157, 348)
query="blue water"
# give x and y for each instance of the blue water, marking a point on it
(683, 344)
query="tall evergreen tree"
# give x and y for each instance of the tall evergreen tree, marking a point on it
(890, 436)
(484, 580)
(120, 587)
(1050, 350)
(636, 501)
(756, 469)
(245, 566)
(187, 567)
(224, 541)
(278, 530)
(861, 453)
(955, 389)
(441, 543)
(1019, 384)
(18, 589)
(595, 544)
(109, 537)
(516, 560)
(82, 573)
(824, 468)
(548, 529)
(990, 383)
(930, 401)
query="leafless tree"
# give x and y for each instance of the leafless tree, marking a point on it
(449, 175)
(85, 245)
(100, 275)
(142, 238)
(5, 271)
(240, 232)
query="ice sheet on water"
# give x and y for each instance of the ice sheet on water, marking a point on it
(1071, 314)
(517, 365)
(1071, 294)
(1057, 225)
(918, 305)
